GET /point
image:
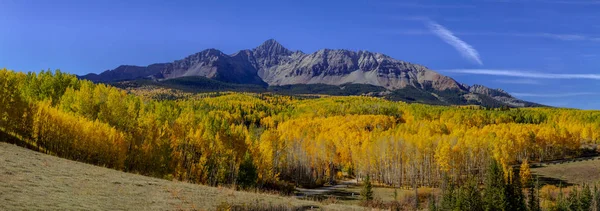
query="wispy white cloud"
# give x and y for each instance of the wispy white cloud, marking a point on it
(524, 74)
(568, 94)
(519, 81)
(455, 19)
(462, 47)
(554, 36)
(565, 37)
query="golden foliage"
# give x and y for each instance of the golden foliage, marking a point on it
(204, 137)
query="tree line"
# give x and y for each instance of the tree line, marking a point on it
(226, 138)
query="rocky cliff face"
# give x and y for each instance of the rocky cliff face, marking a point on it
(479, 89)
(126, 72)
(273, 65)
(336, 67)
(210, 63)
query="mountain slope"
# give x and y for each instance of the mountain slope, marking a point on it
(273, 65)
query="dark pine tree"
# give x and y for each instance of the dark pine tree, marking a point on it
(469, 197)
(494, 197)
(247, 174)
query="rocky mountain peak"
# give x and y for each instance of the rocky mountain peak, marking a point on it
(480, 89)
(271, 64)
(269, 54)
(271, 47)
(211, 52)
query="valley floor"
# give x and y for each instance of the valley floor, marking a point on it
(34, 181)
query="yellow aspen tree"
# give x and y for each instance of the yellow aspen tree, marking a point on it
(525, 172)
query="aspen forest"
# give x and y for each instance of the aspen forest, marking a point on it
(268, 141)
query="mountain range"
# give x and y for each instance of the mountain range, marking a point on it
(271, 67)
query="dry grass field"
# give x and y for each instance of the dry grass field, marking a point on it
(571, 172)
(34, 181)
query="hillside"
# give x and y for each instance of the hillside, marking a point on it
(271, 66)
(34, 181)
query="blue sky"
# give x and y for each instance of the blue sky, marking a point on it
(546, 51)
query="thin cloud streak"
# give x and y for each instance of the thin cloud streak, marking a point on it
(457, 19)
(525, 74)
(574, 94)
(520, 81)
(563, 37)
(462, 47)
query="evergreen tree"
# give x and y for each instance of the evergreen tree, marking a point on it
(561, 201)
(585, 198)
(495, 188)
(247, 175)
(533, 200)
(514, 195)
(573, 200)
(469, 197)
(500, 194)
(448, 195)
(367, 190)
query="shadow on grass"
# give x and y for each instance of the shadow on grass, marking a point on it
(552, 181)
(263, 207)
(5, 137)
(336, 194)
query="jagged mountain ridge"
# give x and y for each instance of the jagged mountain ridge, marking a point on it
(271, 64)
